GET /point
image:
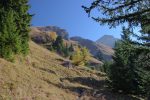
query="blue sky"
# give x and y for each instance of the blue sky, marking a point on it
(69, 15)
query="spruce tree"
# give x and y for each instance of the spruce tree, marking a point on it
(9, 36)
(23, 19)
(123, 74)
(14, 27)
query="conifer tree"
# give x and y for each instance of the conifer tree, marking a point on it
(23, 19)
(123, 74)
(71, 48)
(58, 45)
(66, 51)
(9, 36)
(14, 27)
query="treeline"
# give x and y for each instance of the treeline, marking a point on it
(129, 73)
(14, 28)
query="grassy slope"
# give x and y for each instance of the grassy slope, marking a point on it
(40, 76)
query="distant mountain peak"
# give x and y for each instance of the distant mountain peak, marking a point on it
(108, 40)
(110, 36)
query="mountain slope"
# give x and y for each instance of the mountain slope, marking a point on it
(107, 40)
(40, 76)
(43, 38)
(42, 34)
(59, 31)
(95, 49)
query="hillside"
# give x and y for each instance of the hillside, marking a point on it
(107, 40)
(59, 31)
(41, 34)
(105, 51)
(40, 76)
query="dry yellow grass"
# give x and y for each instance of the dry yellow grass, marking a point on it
(40, 76)
(35, 76)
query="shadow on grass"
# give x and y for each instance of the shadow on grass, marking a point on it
(46, 70)
(87, 81)
(96, 89)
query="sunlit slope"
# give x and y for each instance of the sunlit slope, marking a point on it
(40, 76)
(36, 76)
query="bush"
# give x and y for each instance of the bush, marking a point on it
(80, 56)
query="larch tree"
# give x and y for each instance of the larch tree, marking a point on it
(53, 36)
(85, 54)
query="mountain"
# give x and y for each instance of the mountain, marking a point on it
(96, 49)
(99, 50)
(42, 37)
(59, 31)
(108, 40)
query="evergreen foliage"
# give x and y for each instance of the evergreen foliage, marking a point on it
(66, 51)
(14, 28)
(129, 73)
(9, 36)
(123, 74)
(58, 44)
(71, 48)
